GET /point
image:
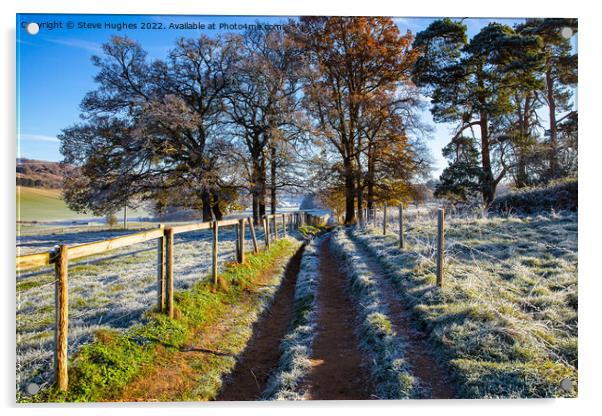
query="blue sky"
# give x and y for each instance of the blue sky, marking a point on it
(54, 69)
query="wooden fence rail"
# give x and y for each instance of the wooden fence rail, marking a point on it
(61, 255)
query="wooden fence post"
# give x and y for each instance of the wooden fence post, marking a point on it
(215, 241)
(440, 248)
(241, 244)
(266, 231)
(401, 236)
(169, 271)
(283, 225)
(385, 219)
(161, 272)
(61, 266)
(237, 243)
(255, 248)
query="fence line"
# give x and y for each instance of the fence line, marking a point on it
(436, 241)
(61, 256)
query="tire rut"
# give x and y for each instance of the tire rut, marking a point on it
(424, 366)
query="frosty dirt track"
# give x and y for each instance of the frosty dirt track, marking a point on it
(337, 372)
(338, 368)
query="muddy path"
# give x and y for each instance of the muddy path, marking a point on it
(337, 371)
(250, 375)
(424, 366)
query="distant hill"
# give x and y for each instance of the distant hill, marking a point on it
(39, 173)
(43, 204)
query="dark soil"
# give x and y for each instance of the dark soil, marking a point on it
(337, 371)
(251, 373)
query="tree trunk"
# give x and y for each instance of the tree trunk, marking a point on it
(262, 187)
(360, 197)
(206, 199)
(370, 181)
(273, 180)
(217, 212)
(553, 151)
(359, 188)
(256, 187)
(488, 183)
(521, 170)
(349, 192)
(522, 178)
(255, 205)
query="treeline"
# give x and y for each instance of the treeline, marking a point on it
(325, 105)
(328, 105)
(497, 88)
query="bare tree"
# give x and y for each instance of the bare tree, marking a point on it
(262, 108)
(151, 128)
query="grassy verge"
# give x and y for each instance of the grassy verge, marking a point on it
(104, 369)
(386, 351)
(294, 364)
(311, 231)
(507, 326)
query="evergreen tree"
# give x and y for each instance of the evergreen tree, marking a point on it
(461, 180)
(560, 75)
(470, 83)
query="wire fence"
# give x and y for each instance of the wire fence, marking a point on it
(477, 258)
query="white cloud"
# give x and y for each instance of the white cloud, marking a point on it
(38, 138)
(77, 43)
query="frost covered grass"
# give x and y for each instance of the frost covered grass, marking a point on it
(111, 292)
(390, 371)
(294, 364)
(506, 318)
(34, 232)
(103, 368)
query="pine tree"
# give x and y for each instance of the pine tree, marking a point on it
(470, 83)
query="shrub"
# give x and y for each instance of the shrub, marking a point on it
(111, 220)
(558, 195)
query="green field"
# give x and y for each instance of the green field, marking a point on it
(41, 204)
